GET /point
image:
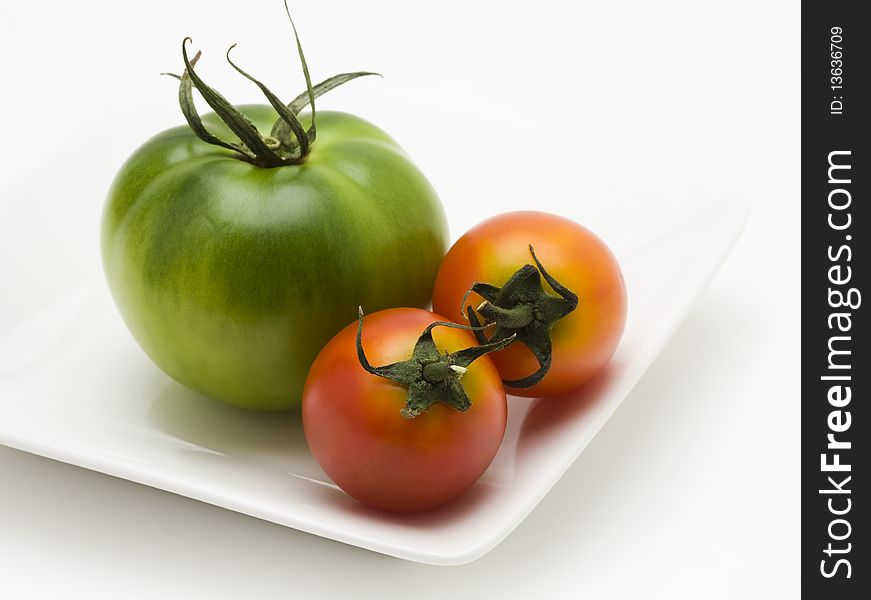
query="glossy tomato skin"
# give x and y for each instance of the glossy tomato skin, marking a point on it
(231, 277)
(353, 425)
(584, 340)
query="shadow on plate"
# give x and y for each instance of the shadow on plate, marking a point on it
(273, 439)
(276, 440)
(470, 502)
(548, 414)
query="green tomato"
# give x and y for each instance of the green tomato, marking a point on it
(232, 276)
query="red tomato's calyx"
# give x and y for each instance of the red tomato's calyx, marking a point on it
(289, 143)
(523, 310)
(430, 375)
(517, 317)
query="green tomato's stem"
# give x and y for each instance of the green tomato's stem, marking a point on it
(289, 143)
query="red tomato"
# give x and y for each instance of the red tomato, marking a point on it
(583, 340)
(353, 423)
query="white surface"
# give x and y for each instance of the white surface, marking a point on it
(662, 503)
(75, 387)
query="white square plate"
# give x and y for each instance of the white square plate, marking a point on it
(75, 387)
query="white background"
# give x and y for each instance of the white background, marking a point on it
(690, 490)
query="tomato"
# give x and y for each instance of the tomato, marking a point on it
(233, 255)
(231, 276)
(578, 340)
(231, 273)
(373, 438)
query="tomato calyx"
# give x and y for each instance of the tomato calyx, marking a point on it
(288, 143)
(430, 375)
(523, 310)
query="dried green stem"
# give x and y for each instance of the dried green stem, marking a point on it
(429, 375)
(523, 310)
(288, 143)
